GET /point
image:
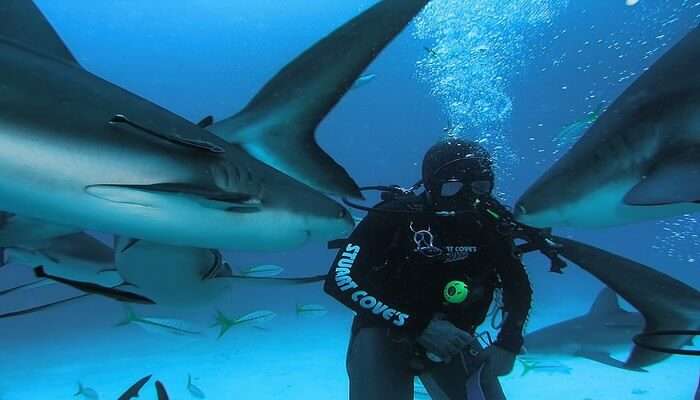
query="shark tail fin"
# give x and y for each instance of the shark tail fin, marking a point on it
(527, 366)
(278, 126)
(223, 322)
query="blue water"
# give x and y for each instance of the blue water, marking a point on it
(510, 75)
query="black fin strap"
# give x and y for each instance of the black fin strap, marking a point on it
(638, 340)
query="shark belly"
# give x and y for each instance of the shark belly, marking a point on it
(48, 180)
(603, 207)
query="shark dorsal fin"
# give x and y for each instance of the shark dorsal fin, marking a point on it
(23, 23)
(605, 303)
(278, 126)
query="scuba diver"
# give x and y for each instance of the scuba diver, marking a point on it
(420, 272)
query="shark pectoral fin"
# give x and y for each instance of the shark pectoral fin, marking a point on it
(671, 181)
(605, 358)
(23, 23)
(279, 124)
(161, 392)
(156, 195)
(197, 144)
(133, 391)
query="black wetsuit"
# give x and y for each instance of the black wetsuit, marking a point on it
(391, 286)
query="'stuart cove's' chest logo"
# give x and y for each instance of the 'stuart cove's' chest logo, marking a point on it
(459, 253)
(425, 240)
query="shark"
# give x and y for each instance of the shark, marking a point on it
(76, 256)
(62, 251)
(605, 329)
(187, 277)
(663, 302)
(639, 161)
(172, 276)
(134, 270)
(80, 151)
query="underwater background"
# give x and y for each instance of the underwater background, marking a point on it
(523, 76)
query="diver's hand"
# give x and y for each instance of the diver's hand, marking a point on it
(497, 360)
(444, 339)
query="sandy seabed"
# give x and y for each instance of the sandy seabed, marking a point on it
(291, 358)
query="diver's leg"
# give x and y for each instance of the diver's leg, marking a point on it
(378, 367)
(448, 381)
(491, 386)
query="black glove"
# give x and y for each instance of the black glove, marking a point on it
(444, 339)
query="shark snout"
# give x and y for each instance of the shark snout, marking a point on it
(331, 222)
(527, 212)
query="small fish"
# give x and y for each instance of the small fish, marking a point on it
(311, 310)
(159, 325)
(639, 392)
(572, 132)
(363, 80)
(482, 48)
(194, 390)
(134, 390)
(553, 367)
(86, 392)
(431, 52)
(255, 318)
(262, 271)
(631, 3)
